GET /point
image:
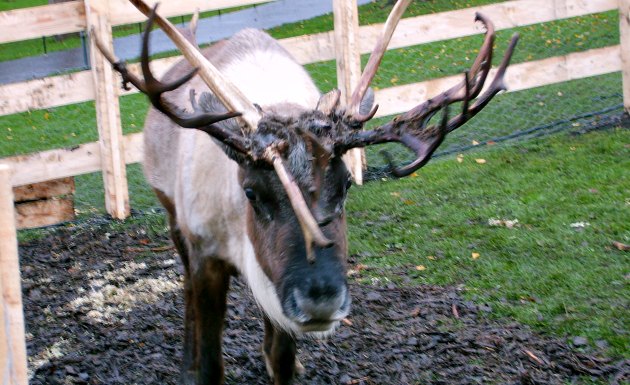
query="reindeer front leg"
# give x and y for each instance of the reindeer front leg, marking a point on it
(188, 372)
(280, 355)
(189, 315)
(206, 304)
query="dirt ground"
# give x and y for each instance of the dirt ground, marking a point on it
(106, 308)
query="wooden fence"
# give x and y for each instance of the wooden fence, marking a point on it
(113, 150)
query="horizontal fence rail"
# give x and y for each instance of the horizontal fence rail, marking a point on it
(58, 19)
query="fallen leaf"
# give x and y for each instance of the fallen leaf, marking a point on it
(455, 312)
(144, 249)
(491, 143)
(533, 357)
(579, 225)
(621, 246)
(460, 158)
(395, 194)
(508, 223)
(421, 267)
(474, 143)
(475, 255)
(480, 161)
(347, 322)
(431, 257)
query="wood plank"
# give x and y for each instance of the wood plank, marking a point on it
(519, 77)
(43, 190)
(63, 90)
(448, 25)
(346, 23)
(108, 121)
(122, 12)
(45, 20)
(48, 92)
(54, 164)
(44, 212)
(60, 163)
(624, 37)
(57, 19)
(14, 372)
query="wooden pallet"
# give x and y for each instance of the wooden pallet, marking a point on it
(45, 203)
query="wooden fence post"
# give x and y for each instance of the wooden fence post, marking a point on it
(624, 34)
(108, 113)
(346, 17)
(12, 342)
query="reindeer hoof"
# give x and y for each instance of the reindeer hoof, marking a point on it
(268, 364)
(299, 368)
(189, 377)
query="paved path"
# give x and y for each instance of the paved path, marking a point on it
(209, 29)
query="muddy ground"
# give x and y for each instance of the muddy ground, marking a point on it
(106, 308)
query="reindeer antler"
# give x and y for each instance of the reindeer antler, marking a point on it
(375, 60)
(154, 89)
(229, 95)
(410, 128)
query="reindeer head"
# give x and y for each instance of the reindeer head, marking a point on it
(291, 167)
(296, 185)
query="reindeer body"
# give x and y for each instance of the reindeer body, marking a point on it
(202, 190)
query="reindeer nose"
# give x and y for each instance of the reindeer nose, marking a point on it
(321, 302)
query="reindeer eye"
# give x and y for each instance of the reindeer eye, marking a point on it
(250, 194)
(348, 183)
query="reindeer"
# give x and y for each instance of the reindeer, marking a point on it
(247, 160)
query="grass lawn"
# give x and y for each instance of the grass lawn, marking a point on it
(559, 278)
(544, 272)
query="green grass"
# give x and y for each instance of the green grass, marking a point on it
(544, 272)
(7, 5)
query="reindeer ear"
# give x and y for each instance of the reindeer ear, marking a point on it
(367, 103)
(329, 102)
